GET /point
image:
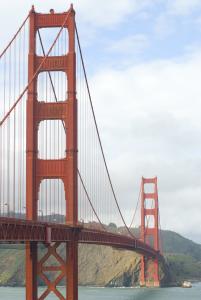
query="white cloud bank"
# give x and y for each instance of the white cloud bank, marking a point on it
(183, 7)
(149, 116)
(133, 44)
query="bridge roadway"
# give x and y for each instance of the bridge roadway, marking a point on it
(19, 231)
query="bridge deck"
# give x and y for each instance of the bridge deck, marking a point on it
(20, 231)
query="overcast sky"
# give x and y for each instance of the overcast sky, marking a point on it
(144, 65)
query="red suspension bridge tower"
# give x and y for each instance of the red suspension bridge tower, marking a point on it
(40, 169)
(149, 234)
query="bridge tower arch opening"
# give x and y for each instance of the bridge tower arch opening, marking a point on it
(65, 168)
(149, 275)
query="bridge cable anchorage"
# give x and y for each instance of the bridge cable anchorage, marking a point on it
(138, 202)
(14, 37)
(36, 73)
(56, 99)
(98, 134)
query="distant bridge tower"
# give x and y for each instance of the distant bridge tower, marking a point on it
(64, 169)
(149, 231)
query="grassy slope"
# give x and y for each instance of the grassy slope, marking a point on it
(183, 257)
(177, 244)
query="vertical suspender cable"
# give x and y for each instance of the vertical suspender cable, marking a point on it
(98, 134)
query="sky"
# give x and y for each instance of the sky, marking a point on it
(143, 60)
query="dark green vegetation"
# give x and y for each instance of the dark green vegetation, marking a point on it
(105, 266)
(183, 257)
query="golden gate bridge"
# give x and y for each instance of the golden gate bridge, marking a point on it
(55, 185)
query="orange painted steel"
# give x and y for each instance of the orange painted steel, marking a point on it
(149, 275)
(64, 169)
(21, 231)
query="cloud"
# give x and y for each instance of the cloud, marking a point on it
(149, 117)
(164, 25)
(134, 44)
(108, 13)
(183, 7)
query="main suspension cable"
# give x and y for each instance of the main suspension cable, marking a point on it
(136, 208)
(49, 74)
(56, 99)
(98, 134)
(36, 73)
(89, 199)
(14, 37)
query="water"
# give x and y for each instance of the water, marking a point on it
(87, 293)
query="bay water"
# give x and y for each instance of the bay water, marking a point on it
(91, 293)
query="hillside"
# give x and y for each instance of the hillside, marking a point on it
(177, 244)
(183, 257)
(105, 266)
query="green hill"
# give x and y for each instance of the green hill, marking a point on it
(174, 243)
(183, 257)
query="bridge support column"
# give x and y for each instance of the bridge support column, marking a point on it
(64, 268)
(142, 272)
(149, 274)
(72, 270)
(31, 270)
